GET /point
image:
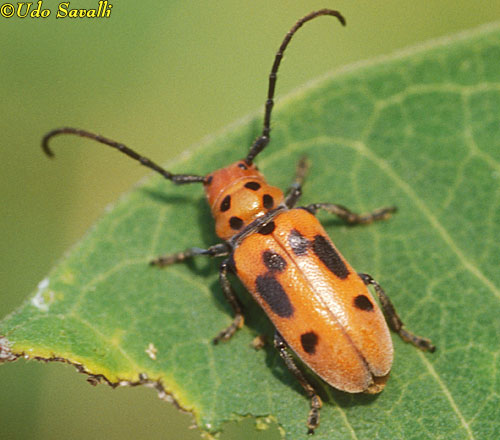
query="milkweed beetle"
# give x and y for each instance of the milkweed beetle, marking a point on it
(321, 308)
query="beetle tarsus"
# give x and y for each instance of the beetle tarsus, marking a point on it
(228, 332)
(350, 217)
(217, 250)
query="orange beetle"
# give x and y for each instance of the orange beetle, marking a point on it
(321, 308)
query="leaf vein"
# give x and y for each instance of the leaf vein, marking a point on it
(447, 394)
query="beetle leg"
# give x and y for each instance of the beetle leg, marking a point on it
(295, 191)
(351, 217)
(316, 403)
(394, 320)
(217, 250)
(233, 301)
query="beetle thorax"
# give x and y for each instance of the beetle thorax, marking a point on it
(238, 194)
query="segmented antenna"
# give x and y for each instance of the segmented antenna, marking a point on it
(176, 178)
(259, 144)
(262, 141)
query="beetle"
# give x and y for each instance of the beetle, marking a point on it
(322, 310)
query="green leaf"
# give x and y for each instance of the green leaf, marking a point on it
(420, 130)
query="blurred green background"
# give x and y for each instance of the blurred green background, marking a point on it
(158, 76)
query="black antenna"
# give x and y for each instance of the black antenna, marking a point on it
(262, 141)
(176, 178)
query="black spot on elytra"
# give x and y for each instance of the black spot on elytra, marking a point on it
(226, 204)
(267, 229)
(329, 257)
(298, 243)
(236, 223)
(272, 292)
(309, 341)
(242, 166)
(254, 186)
(267, 201)
(273, 261)
(362, 302)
